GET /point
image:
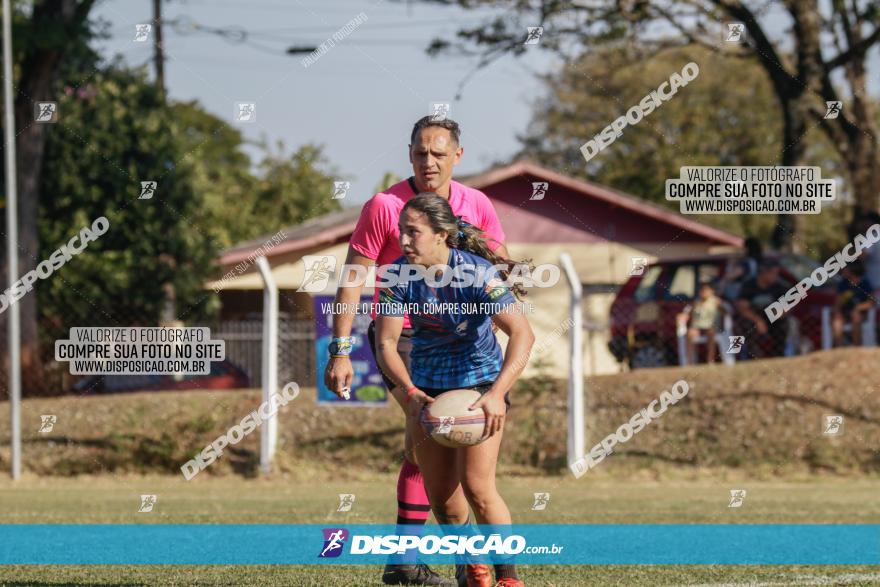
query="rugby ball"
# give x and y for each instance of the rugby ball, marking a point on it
(449, 421)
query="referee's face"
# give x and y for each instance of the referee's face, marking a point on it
(419, 243)
(433, 155)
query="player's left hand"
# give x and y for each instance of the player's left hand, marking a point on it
(495, 409)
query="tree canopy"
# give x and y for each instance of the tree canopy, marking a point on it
(711, 121)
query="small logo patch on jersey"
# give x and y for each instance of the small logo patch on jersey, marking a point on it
(461, 329)
(385, 296)
(495, 288)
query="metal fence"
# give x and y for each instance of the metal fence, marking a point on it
(244, 343)
(657, 335)
(640, 334)
(296, 349)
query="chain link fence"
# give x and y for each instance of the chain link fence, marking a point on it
(657, 319)
(42, 375)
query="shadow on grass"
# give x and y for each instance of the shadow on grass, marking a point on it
(131, 452)
(800, 399)
(341, 441)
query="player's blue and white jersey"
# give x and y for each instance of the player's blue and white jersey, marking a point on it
(456, 347)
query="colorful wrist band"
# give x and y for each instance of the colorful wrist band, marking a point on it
(341, 346)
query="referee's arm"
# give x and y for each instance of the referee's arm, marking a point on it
(339, 372)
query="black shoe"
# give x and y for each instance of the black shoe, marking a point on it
(420, 574)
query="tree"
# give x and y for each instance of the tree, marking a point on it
(240, 204)
(826, 62)
(220, 172)
(51, 35)
(117, 134)
(291, 188)
(586, 94)
(113, 132)
(389, 179)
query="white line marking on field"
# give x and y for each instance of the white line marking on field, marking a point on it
(809, 580)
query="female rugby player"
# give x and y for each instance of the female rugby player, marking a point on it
(455, 351)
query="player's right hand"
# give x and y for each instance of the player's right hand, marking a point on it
(417, 400)
(338, 375)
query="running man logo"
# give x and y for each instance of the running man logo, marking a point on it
(334, 538)
(833, 425)
(346, 500)
(736, 344)
(148, 188)
(737, 497)
(638, 265)
(446, 424)
(539, 189)
(439, 110)
(735, 32)
(147, 503)
(541, 501)
(245, 112)
(318, 270)
(47, 422)
(832, 109)
(45, 112)
(142, 32)
(533, 35)
(340, 189)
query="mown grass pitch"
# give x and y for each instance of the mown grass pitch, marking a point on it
(312, 498)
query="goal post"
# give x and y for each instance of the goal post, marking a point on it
(269, 367)
(14, 328)
(576, 407)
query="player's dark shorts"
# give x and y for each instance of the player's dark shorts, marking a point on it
(481, 387)
(404, 348)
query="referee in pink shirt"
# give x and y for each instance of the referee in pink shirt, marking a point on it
(434, 151)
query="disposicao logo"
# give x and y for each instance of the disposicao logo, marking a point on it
(334, 539)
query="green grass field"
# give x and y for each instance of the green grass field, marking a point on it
(753, 426)
(311, 497)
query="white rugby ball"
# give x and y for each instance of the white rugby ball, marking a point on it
(449, 421)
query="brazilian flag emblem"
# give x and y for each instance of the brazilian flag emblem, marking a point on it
(495, 289)
(385, 296)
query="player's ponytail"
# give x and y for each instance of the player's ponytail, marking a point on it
(464, 236)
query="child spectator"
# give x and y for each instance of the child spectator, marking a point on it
(704, 320)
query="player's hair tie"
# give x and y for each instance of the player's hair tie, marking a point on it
(462, 224)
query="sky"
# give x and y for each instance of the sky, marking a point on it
(359, 100)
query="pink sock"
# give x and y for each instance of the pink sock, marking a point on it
(413, 506)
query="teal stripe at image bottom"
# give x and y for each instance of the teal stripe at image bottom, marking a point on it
(292, 544)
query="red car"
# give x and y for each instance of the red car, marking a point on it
(643, 315)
